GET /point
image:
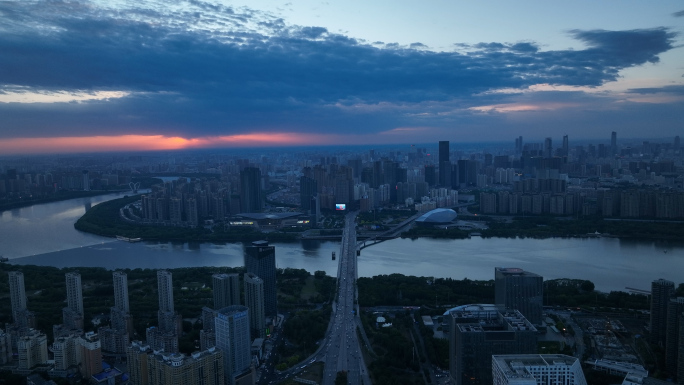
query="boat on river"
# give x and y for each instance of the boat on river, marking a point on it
(127, 239)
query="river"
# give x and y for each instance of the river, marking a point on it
(44, 235)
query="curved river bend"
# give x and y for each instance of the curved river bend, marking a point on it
(44, 235)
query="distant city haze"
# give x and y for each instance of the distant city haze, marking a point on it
(612, 264)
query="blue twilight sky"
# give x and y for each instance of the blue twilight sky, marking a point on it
(233, 73)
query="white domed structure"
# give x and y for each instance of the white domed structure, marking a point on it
(437, 217)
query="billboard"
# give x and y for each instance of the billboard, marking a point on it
(340, 206)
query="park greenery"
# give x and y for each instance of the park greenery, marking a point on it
(394, 360)
(546, 227)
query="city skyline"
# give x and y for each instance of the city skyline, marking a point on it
(123, 76)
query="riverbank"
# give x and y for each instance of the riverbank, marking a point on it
(104, 220)
(59, 196)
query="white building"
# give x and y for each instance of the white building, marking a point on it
(536, 369)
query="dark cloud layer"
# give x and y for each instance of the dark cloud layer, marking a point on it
(216, 70)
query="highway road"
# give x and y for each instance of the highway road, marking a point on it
(340, 349)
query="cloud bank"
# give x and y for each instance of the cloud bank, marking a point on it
(197, 69)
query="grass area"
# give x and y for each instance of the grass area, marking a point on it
(309, 290)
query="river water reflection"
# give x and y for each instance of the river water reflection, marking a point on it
(44, 235)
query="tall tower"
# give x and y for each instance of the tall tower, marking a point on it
(233, 338)
(254, 299)
(566, 146)
(251, 199)
(73, 313)
(548, 148)
(444, 164)
(226, 290)
(165, 336)
(17, 294)
(675, 308)
(260, 261)
(517, 289)
(165, 288)
(661, 291)
(74, 292)
(121, 291)
(613, 143)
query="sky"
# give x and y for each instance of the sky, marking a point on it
(87, 76)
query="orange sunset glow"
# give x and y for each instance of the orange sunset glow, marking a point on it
(161, 142)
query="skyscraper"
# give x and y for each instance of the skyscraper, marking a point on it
(517, 289)
(675, 308)
(165, 336)
(260, 261)
(116, 337)
(233, 338)
(165, 288)
(443, 151)
(548, 148)
(17, 295)
(661, 291)
(73, 313)
(479, 331)
(226, 290)
(251, 199)
(566, 146)
(254, 299)
(308, 188)
(121, 291)
(444, 164)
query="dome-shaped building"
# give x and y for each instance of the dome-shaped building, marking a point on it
(437, 217)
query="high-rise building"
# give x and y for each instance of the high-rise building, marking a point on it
(18, 298)
(308, 188)
(90, 354)
(443, 151)
(477, 332)
(165, 289)
(233, 338)
(680, 356)
(73, 314)
(517, 289)
(32, 350)
(661, 291)
(165, 336)
(226, 290)
(675, 308)
(444, 164)
(65, 353)
(566, 146)
(150, 368)
(115, 338)
(548, 148)
(260, 261)
(677, 143)
(121, 291)
(613, 143)
(254, 300)
(251, 199)
(5, 348)
(537, 369)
